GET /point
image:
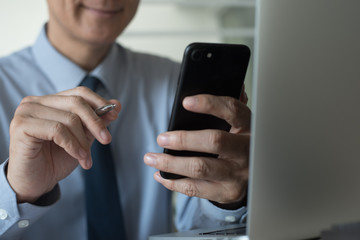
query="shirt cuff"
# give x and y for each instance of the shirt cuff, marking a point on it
(222, 215)
(14, 217)
(194, 213)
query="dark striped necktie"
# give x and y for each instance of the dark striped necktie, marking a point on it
(103, 209)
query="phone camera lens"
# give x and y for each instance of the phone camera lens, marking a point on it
(209, 55)
(196, 55)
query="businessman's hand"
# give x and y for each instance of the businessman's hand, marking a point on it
(50, 135)
(223, 179)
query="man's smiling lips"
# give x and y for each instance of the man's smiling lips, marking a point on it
(102, 12)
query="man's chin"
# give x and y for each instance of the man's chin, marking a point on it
(99, 38)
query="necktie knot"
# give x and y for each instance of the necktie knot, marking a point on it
(91, 82)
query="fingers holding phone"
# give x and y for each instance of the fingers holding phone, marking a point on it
(221, 178)
(233, 111)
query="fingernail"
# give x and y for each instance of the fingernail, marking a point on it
(158, 178)
(113, 115)
(104, 134)
(164, 139)
(151, 159)
(190, 101)
(89, 164)
(82, 153)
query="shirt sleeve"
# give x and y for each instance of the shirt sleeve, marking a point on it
(193, 213)
(16, 218)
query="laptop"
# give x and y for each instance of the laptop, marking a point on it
(230, 232)
(305, 146)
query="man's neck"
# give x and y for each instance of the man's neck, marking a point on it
(84, 54)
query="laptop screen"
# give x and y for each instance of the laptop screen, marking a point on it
(305, 149)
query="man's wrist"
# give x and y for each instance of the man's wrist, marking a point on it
(234, 205)
(46, 199)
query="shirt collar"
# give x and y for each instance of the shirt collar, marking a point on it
(64, 74)
(109, 70)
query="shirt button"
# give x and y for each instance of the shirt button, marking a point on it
(230, 219)
(3, 214)
(23, 223)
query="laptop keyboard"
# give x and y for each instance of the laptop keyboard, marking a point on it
(227, 232)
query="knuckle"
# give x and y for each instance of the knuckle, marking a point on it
(20, 115)
(239, 115)
(15, 124)
(69, 146)
(208, 102)
(76, 100)
(190, 190)
(234, 106)
(72, 119)
(58, 129)
(182, 138)
(82, 89)
(27, 99)
(23, 106)
(199, 168)
(238, 171)
(216, 139)
(165, 163)
(60, 136)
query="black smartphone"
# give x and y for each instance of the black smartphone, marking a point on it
(207, 68)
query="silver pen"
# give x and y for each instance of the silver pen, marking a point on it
(104, 109)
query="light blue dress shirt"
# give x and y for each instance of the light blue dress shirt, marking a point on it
(145, 85)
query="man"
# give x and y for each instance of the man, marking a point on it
(53, 125)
